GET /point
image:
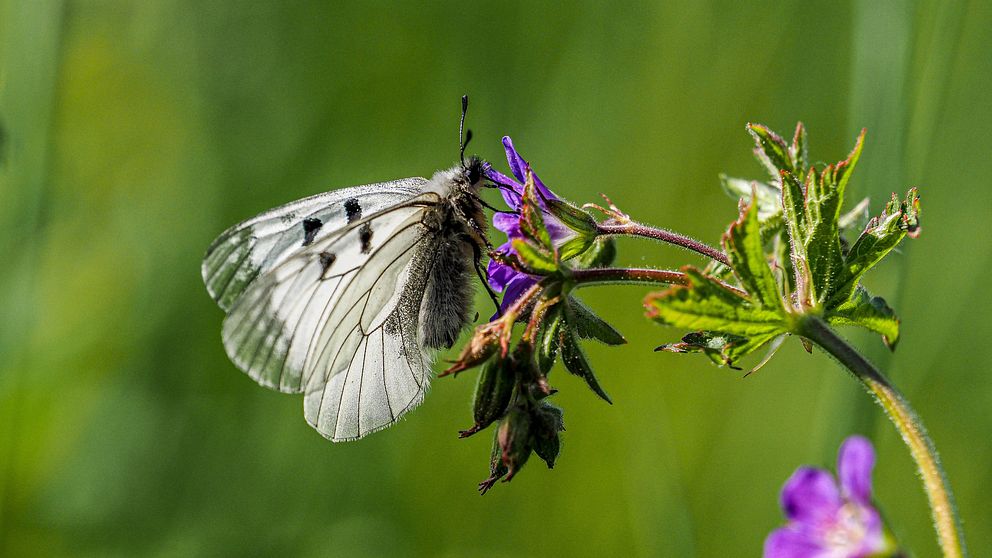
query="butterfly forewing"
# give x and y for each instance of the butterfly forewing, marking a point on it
(247, 250)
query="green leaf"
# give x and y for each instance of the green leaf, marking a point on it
(722, 348)
(871, 313)
(798, 151)
(576, 362)
(881, 235)
(588, 325)
(771, 150)
(767, 195)
(707, 304)
(824, 199)
(744, 247)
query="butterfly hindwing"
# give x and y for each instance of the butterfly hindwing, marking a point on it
(373, 362)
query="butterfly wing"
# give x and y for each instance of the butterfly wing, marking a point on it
(249, 249)
(339, 319)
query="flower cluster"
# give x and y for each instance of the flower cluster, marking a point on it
(548, 241)
(502, 277)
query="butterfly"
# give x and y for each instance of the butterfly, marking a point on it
(345, 296)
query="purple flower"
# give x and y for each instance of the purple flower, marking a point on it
(503, 278)
(827, 521)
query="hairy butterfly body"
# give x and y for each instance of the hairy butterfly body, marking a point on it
(345, 296)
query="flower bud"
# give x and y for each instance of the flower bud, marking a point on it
(483, 345)
(492, 395)
(515, 439)
(496, 468)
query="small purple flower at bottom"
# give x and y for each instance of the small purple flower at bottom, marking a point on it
(503, 278)
(827, 521)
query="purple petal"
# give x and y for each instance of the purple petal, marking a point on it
(790, 542)
(516, 287)
(508, 223)
(810, 496)
(516, 162)
(518, 166)
(512, 191)
(556, 229)
(499, 274)
(855, 462)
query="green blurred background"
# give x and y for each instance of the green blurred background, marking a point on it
(133, 133)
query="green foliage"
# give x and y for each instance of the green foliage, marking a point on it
(802, 239)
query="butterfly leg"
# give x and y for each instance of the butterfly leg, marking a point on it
(483, 276)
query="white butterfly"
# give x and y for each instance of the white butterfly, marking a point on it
(344, 296)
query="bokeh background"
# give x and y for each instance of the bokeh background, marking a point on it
(131, 134)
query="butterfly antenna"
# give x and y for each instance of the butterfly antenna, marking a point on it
(464, 136)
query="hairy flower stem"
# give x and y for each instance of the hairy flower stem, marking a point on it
(909, 425)
(630, 228)
(609, 275)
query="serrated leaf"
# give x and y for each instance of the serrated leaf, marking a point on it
(871, 313)
(880, 236)
(534, 258)
(706, 304)
(588, 325)
(722, 348)
(743, 245)
(771, 150)
(824, 199)
(798, 150)
(576, 362)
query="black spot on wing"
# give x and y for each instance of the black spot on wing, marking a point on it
(326, 261)
(352, 210)
(310, 228)
(365, 236)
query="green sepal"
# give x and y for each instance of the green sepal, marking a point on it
(574, 246)
(869, 312)
(602, 253)
(707, 304)
(548, 349)
(573, 217)
(531, 218)
(576, 362)
(743, 245)
(534, 258)
(588, 325)
(548, 423)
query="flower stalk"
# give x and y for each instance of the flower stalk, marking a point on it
(910, 427)
(630, 228)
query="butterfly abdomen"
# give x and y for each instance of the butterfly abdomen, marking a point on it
(449, 293)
